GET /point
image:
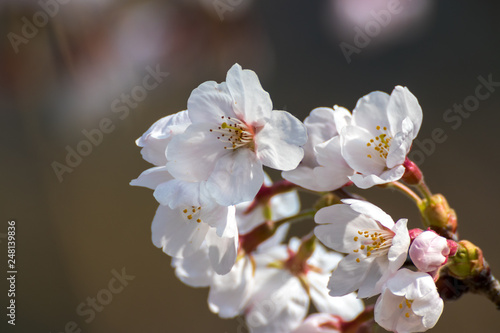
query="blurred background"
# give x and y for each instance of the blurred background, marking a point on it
(71, 69)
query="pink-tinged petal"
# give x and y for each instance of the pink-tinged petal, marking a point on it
(176, 236)
(229, 293)
(152, 177)
(429, 251)
(370, 210)
(400, 243)
(194, 270)
(348, 307)
(356, 152)
(400, 145)
(339, 225)
(278, 304)
(194, 148)
(279, 142)
(388, 176)
(155, 140)
(177, 193)
(349, 275)
(209, 102)
(333, 171)
(404, 104)
(251, 103)
(371, 111)
(236, 178)
(222, 251)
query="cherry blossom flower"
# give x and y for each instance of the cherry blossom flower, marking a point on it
(234, 132)
(409, 303)
(323, 168)
(229, 293)
(284, 287)
(429, 251)
(376, 246)
(380, 135)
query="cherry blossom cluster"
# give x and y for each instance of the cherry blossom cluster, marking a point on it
(225, 224)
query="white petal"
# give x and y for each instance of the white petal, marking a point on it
(284, 205)
(229, 293)
(342, 117)
(279, 142)
(348, 276)
(177, 237)
(340, 224)
(400, 243)
(155, 140)
(400, 145)
(251, 103)
(348, 307)
(209, 102)
(388, 176)
(375, 278)
(194, 270)
(333, 171)
(193, 154)
(302, 176)
(326, 260)
(371, 111)
(362, 158)
(176, 193)
(278, 305)
(237, 177)
(222, 251)
(152, 177)
(370, 210)
(404, 104)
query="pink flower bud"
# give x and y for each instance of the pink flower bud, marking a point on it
(429, 251)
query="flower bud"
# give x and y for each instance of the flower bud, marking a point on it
(467, 262)
(429, 251)
(412, 175)
(438, 214)
(414, 233)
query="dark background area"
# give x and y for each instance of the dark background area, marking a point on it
(72, 234)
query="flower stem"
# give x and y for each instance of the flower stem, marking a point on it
(424, 189)
(406, 190)
(295, 218)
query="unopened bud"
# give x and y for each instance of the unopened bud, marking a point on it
(438, 215)
(467, 262)
(414, 233)
(412, 175)
(429, 251)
